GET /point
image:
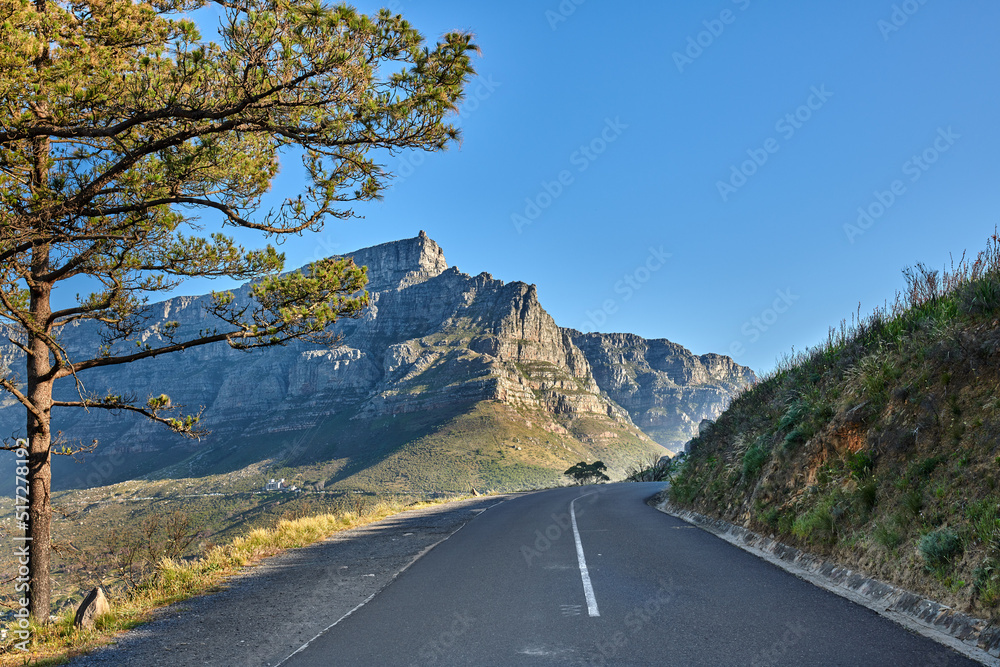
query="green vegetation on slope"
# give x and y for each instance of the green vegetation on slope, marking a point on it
(485, 445)
(880, 447)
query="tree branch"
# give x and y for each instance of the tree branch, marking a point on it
(184, 427)
(22, 399)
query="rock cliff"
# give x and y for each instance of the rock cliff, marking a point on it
(434, 344)
(666, 389)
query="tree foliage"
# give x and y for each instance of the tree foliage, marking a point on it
(120, 125)
(588, 473)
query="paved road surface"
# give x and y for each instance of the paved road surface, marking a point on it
(516, 587)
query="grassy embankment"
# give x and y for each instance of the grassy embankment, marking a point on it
(879, 448)
(171, 580)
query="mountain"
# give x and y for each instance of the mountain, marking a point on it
(447, 381)
(666, 390)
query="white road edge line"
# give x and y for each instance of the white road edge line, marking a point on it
(588, 589)
(372, 596)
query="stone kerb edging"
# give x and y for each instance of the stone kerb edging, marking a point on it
(973, 637)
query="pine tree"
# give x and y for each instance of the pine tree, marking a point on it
(120, 125)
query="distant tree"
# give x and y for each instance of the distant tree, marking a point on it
(119, 125)
(588, 473)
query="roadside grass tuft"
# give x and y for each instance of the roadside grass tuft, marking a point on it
(755, 457)
(913, 502)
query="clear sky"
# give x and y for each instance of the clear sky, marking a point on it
(687, 170)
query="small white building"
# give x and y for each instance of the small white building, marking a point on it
(273, 485)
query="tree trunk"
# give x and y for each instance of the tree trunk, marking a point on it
(39, 515)
(39, 531)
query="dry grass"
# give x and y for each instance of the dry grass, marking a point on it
(174, 581)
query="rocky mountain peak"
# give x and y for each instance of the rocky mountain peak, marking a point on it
(400, 264)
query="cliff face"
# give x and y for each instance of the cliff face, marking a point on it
(666, 389)
(435, 341)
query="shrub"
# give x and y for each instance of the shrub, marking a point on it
(872, 378)
(939, 547)
(987, 581)
(797, 411)
(985, 518)
(927, 467)
(824, 414)
(798, 435)
(981, 297)
(867, 495)
(686, 483)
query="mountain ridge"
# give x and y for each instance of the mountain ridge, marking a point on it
(434, 344)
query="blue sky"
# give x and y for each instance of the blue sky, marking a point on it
(686, 170)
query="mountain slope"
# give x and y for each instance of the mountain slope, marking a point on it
(879, 448)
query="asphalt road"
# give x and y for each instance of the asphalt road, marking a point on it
(509, 589)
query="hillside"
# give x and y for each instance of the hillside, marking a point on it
(448, 381)
(879, 448)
